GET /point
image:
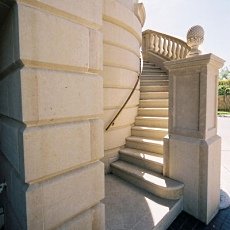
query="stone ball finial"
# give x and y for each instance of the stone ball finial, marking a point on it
(195, 37)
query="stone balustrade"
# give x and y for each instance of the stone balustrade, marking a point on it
(166, 46)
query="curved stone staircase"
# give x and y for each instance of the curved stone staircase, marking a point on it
(141, 161)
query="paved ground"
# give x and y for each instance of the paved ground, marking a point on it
(222, 219)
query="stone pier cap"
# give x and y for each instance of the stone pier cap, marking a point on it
(194, 61)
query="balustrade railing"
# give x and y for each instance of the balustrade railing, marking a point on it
(166, 46)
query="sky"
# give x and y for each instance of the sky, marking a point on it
(175, 17)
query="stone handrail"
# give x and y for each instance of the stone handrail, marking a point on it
(166, 46)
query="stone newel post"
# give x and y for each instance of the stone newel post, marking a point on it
(192, 152)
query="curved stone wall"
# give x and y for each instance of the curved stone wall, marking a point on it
(121, 44)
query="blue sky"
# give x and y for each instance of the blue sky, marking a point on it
(175, 17)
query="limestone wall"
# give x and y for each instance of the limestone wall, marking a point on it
(66, 67)
(121, 44)
(51, 106)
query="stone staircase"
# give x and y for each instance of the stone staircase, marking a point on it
(141, 161)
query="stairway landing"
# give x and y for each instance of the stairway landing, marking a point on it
(130, 208)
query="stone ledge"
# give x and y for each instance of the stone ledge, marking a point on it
(68, 11)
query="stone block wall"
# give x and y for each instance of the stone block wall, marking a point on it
(66, 67)
(122, 40)
(51, 106)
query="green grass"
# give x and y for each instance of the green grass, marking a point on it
(220, 113)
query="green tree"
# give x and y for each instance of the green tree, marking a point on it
(224, 73)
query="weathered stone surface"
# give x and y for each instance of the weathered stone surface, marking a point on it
(97, 139)
(118, 36)
(194, 147)
(126, 117)
(128, 3)
(39, 152)
(95, 50)
(116, 137)
(115, 98)
(56, 42)
(59, 98)
(78, 190)
(119, 78)
(118, 57)
(111, 155)
(93, 219)
(200, 79)
(89, 10)
(40, 206)
(52, 149)
(59, 95)
(119, 14)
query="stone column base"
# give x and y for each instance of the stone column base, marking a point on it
(196, 163)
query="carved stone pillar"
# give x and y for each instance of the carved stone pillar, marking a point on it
(192, 152)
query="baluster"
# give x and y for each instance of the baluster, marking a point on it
(151, 41)
(160, 44)
(165, 46)
(173, 50)
(169, 48)
(182, 52)
(156, 44)
(178, 49)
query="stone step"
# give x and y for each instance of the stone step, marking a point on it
(151, 103)
(154, 88)
(159, 122)
(154, 82)
(146, 65)
(154, 95)
(153, 74)
(152, 182)
(144, 159)
(142, 143)
(155, 112)
(149, 64)
(149, 132)
(154, 77)
(132, 207)
(152, 71)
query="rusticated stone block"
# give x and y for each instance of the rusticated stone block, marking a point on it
(52, 149)
(73, 192)
(50, 95)
(89, 11)
(93, 219)
(51, 203)
(40, 152)
(95, 50)
(57, 42)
